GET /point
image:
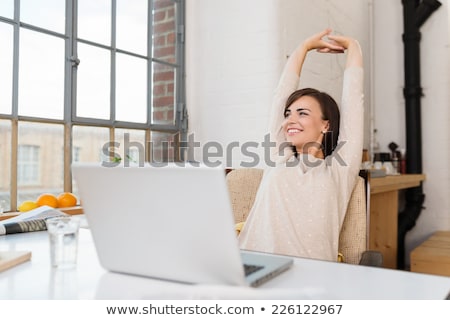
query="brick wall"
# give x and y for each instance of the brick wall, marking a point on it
(164, 48)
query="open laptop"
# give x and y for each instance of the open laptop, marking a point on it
(173, 223)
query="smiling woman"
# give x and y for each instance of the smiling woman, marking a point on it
(315, 114)
(302, 200)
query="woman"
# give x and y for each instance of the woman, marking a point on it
(302, 200)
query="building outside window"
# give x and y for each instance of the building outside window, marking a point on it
(86, 77)
(28, 165)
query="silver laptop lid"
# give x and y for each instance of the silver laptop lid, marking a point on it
(173, 222)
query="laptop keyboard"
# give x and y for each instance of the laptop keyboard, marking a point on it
(249, 268)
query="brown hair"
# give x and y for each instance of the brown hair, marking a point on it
(330, 112)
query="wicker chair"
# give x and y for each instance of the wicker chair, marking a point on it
(243, 184)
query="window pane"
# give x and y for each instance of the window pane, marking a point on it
(90, 142)
(5, 165)
(131, 88)
(163, 95)
(6, 66)
(162, 147)
(41, 75)
(94, 20)
(51, 14)
(132, 145)
(40, 166)
(132, 26)
(164, 30)
(7, 8)
(93, 76)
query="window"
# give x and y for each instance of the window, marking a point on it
(96, 79)
(28, 165)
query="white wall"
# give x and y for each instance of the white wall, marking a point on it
(236, 50)
(233, 64)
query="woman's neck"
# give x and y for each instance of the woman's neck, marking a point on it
(315, 151)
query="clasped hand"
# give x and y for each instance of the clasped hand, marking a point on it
(325, 42)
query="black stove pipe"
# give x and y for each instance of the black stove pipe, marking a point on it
(415, 13)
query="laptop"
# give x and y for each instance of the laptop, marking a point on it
(171, 222)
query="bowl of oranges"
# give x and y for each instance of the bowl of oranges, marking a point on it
(62, 200)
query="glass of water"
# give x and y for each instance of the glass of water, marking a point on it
(63, 235)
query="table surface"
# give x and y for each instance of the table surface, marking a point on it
(307, 279)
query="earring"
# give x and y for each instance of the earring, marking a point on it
(324, 131)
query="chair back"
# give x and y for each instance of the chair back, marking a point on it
(353, 235)
(243, 184)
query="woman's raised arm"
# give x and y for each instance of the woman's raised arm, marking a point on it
(354, 53)
(315, 42)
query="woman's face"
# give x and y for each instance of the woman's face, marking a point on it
(304, 124)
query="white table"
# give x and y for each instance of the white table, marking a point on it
(307, 279)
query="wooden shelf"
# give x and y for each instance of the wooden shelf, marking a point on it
(69, 210)
(396, 182)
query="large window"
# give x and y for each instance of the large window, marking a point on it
(100, 80)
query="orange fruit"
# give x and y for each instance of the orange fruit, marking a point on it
(47, 199)
(67, 199)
